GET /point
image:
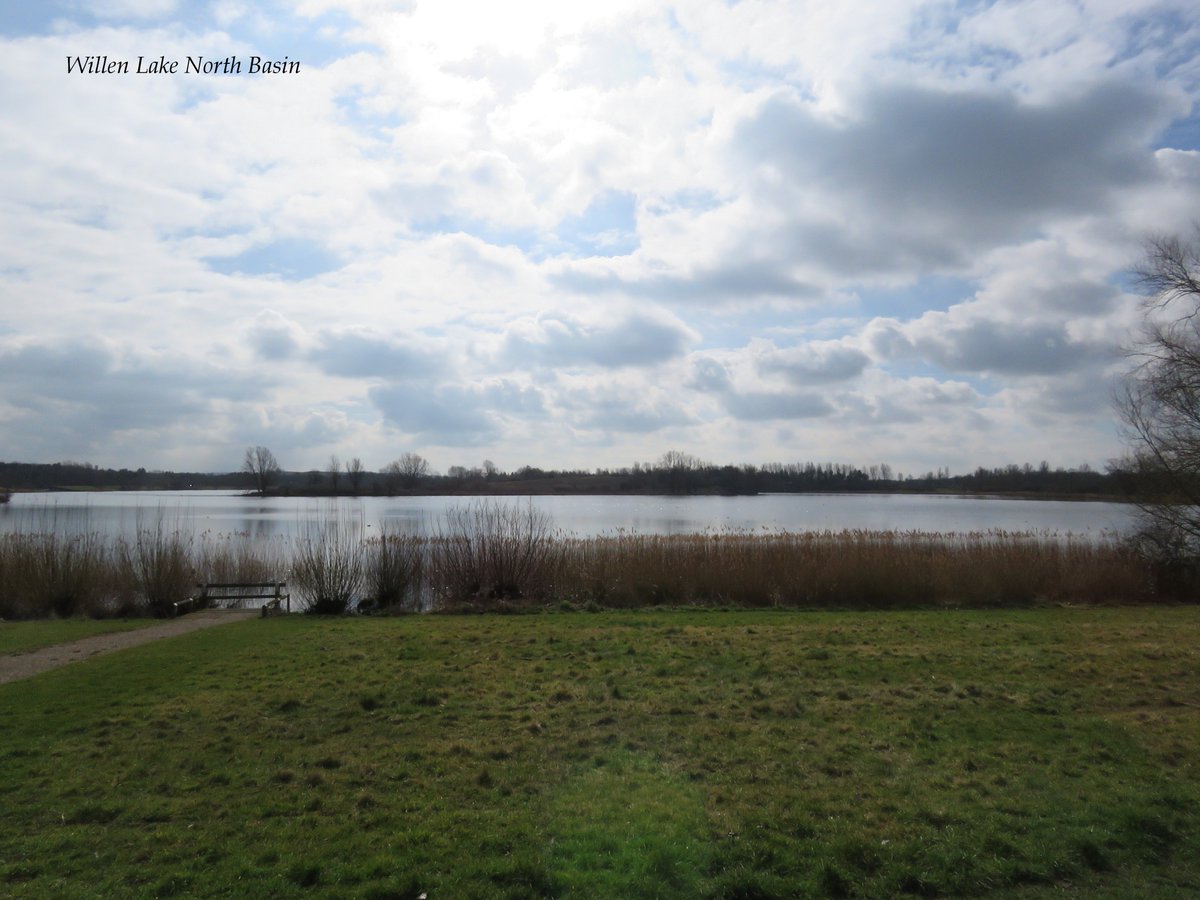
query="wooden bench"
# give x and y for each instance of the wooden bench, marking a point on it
(231, 594)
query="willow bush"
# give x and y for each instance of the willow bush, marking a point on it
(489, 553)
(328, 565)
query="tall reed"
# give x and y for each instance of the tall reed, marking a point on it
(57, 574)
(395, 568)
(159, 563)
(241, 558)
(848, 568)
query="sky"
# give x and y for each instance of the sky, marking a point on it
(578, 235)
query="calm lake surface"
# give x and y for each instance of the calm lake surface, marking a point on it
(225, 513)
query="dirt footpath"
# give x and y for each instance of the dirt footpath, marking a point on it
(26, 665)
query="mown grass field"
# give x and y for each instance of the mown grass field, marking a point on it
(1048, 752)
(21, 637)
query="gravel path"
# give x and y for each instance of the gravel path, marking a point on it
(26, 665)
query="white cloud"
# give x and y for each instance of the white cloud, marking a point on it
(578, 234)
(129, 9)
(630, 339)
(817, 362)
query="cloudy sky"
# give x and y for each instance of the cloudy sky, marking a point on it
(581, 234)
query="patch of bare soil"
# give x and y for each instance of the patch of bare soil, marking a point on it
(26, 665)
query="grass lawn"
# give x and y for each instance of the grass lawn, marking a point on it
(645, 754)
(21, 637)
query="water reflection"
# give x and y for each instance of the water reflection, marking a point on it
(221, 513)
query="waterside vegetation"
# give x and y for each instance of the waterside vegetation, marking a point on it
(491, 556)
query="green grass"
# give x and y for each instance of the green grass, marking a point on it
(1044, 752)
(21, 637)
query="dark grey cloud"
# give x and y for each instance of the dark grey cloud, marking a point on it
(294, 430)
(509, 398)
(709, 376)
(886, 411)
(273, 337)
(887, 339)
(821, 362)
(908, 401)
(447, 414)
(1085, 394)
(912, 178)
(920, 175)
(1005, 348)
(620, 409)
(1078, 297)
(617, 416)
(365, 354)
(93, 389)
(464, 415)
(754, 280)
(757, 406)
(871, 244)
(635, 339)
(812, 364)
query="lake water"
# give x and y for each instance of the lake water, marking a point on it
(225, 513)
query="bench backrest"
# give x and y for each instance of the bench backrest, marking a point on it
(244, 590)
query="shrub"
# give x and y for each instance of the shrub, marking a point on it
(488, 552)
(327, 565)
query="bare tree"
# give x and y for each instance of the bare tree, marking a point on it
(335, 471)
(678, 460)
(1160, 402)
(260, 464)
(680, 470)
(405, 471)
(355, 472)
(391, 476)
(408, 469)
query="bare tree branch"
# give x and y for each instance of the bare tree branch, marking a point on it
(260, 463)
(1160, 402)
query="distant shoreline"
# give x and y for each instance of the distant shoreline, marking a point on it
(475, 491)
(687, 478)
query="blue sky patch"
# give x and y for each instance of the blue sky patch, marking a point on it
(292, 259)
(931, 293)
(608, 227)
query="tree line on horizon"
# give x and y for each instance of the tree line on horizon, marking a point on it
(675, 472)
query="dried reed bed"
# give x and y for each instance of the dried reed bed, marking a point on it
(395, 573)
(855, 569)
(495, 557)
(60, 574)
(240, 557)
(50, 574)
